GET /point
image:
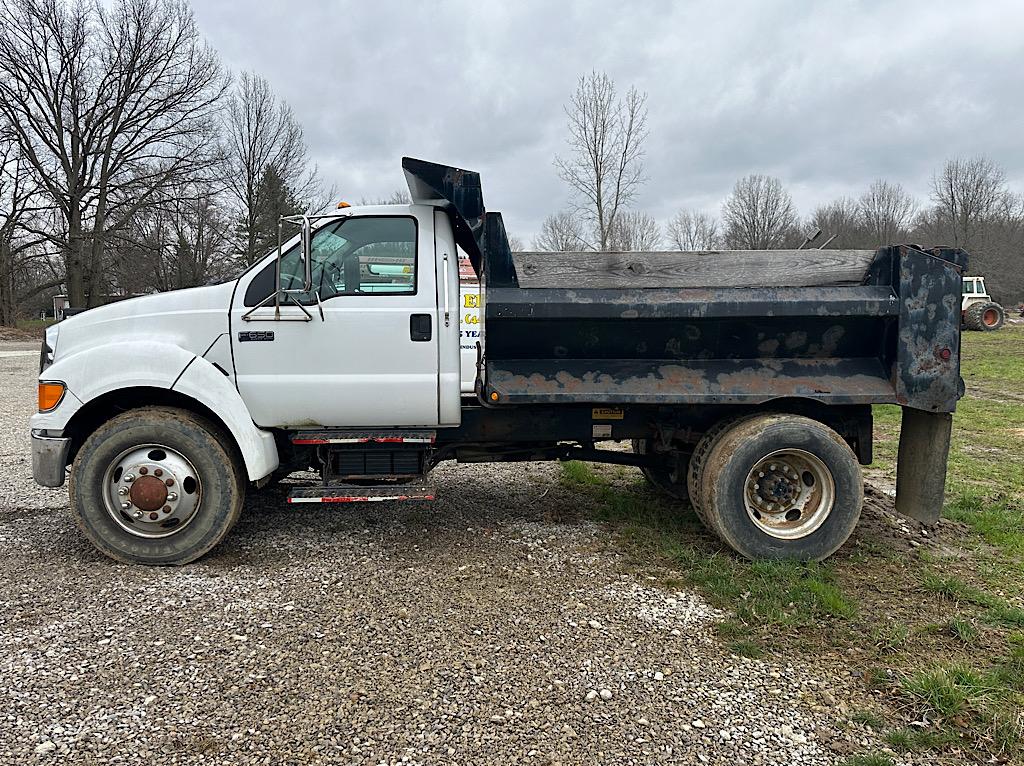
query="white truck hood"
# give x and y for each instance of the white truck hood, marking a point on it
(192, 319)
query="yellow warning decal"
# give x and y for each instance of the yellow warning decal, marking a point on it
(608, 413)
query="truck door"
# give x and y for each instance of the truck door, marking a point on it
(366, 352)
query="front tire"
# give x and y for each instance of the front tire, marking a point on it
(156, 486)
(778, 486)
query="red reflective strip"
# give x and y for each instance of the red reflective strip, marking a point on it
(355, 499)
(309, 441)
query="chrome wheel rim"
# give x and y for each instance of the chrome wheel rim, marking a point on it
(152, 491)
(789, 494)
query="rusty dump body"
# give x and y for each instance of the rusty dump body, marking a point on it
(724, 328)
(659, 347)
(894, 338)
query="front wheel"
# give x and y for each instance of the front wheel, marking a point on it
(780, 486)
(156, 486)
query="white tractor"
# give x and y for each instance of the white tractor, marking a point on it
(978, 309)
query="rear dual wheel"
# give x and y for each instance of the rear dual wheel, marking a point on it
(669, 478)
(776, 486)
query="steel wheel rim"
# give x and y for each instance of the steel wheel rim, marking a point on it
(789, 493)
(990, 317)
(152, 491)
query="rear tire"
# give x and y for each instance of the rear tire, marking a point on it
(695, 474)
(778, 486)
(662, 479)
(984, 317)
(156, 486)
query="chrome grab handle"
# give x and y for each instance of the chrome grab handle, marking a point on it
(447, 310)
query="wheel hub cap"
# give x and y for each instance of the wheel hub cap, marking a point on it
(148, 493)
(152, 491)
(789, 494)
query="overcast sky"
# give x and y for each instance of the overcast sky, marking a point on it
(826, 96)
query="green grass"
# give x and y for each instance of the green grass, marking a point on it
(746, 649)
(868, 718)
(995, 608)
(962, 630)
(890, 637)
(869, 759)
(32, 325)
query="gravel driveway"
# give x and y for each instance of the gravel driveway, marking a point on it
(470, 630)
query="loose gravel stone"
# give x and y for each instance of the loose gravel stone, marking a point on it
(471, 630)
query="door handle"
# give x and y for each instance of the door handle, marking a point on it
(420, 327)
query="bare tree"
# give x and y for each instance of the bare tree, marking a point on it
(841, 224)
(691, 231)
(514, 243)
(109, 105)
(635, 231)
(967, 193)
(20, 251)
(606, 137)
(561, 232)
(759, 214)
(397, 197)
(887, 212)
(262, 133)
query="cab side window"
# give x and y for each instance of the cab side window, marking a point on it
(352, 256)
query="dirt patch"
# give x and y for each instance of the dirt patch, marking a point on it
(16, 334)
(881, 525)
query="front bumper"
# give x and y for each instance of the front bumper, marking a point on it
(49, 458)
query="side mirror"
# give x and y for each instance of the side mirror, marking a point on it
(306, 245)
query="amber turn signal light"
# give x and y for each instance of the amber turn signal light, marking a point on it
(50, 394)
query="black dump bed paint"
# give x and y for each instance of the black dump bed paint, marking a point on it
(891, 336)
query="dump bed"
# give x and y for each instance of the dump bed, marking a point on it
(731, 327)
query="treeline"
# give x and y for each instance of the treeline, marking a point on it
(130, 159)
(970, 204)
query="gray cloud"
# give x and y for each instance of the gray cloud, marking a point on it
(827, 96)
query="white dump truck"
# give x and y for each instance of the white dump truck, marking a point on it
(744, 380)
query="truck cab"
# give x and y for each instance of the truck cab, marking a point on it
(373, 340)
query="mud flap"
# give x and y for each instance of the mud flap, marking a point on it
(921, 465)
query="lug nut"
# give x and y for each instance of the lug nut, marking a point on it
(143, 470)
(128, 477)
(167, 509)
(126, 505)
(122, 490)
(153, 516)
(172, 496)
(137, 515)
(158, 472)
(169, 482)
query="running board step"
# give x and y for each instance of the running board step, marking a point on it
(364, 437)
(358, 493)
